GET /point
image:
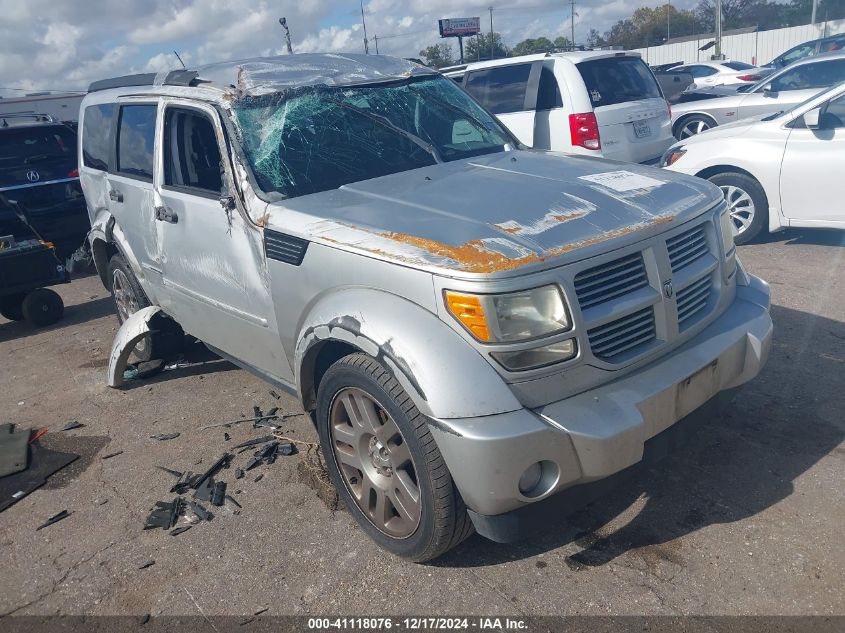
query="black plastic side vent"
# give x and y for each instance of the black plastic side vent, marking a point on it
(284, 248)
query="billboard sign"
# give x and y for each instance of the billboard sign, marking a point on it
(459, 27)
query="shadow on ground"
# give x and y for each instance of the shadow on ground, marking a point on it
(74, 315)
(816, 237)
(746, 460)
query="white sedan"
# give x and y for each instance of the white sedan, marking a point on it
(782, 170)
(720, 73)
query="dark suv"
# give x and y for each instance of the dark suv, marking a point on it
(38, 168)
(808, 49)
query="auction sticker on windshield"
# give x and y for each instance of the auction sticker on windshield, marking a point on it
(623, 180)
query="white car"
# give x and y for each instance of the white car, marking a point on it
(782, 170)
(594, 103)
(720, 73)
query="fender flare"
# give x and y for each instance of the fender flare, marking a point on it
(441, 372)
(136, 327)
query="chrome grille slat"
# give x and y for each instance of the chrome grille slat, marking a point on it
(609, 281)
(693, 299)
(687, 247)
(623, 334)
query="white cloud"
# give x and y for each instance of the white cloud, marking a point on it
(60, 45)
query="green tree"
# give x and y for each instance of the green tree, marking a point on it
(562, 43)
(531, 46)
(438, 56)
(594, 39)
(478, 48)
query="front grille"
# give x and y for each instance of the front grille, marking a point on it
(687, 247)
(692, 300)
(606, 282)
(611, 340)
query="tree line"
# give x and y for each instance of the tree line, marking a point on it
(648, 27)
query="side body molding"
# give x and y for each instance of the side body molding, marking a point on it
(444, 375)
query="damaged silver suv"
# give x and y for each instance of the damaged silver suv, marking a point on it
(476, 328)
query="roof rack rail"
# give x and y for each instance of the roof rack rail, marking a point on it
(38, 117)
(173, 78)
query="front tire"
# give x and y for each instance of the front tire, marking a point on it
(129, 297)
(747, 204)
(692, 125)
(384, 462)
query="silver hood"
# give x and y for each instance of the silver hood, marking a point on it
(496, 214)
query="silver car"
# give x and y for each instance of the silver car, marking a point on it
(474, 327)
(701, 110)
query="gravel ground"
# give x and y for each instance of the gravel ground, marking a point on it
(746, 519)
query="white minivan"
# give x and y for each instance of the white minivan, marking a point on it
(599, 103)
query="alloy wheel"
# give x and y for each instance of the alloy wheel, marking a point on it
(375, 462)
(691, 128)
(740, 206)
(126, 302)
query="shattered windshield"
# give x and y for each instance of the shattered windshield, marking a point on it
(320, 138)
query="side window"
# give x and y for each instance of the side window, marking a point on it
(191, 153)
(702, 71)
(96, 135)
(136, 140)
(836, 44)
(816, 75)
(834, 114)
(548, 93)
(500, 89)
(799, 52)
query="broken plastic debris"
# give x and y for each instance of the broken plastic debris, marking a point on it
(259, 478)
(54, 519)
(165, 436)
(73, 424)
(164, 515)
(180, 530)
(110, 455)
(239, 473)
(219, 493)
(147, 563)
(255, 441)
(200, 511)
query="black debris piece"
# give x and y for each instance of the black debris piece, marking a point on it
(42, 463)
(222, 462)
(164, 515)
(144, 619)
(180, 529)
(147, 563)
(287, 449)
(110, 455)
(259, 478)
(256, 411)
(226, 437)
(200, 511)
(170, 471)
(255, 461)
(205, 490)
(54, 519)
(219, 494)
(272, 412)
(246, 621)
(275, 395)
(184, 484)
(73, 424)
(255, 441)
(164, 436)
(239, 473)
(260, 611)
(232, 499)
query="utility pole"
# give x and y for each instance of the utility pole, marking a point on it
(668, 19)
(718, 51)
(284, 23)
(375, 39)
(491, 32)
(364, 22)
(572, 24)
(815, 10)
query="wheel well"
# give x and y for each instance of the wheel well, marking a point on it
(722, 169)
(315, 365)
(102, 252)
(684, 117)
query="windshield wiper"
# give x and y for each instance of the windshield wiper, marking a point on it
(385, 122)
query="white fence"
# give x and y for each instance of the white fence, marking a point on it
(754, 48)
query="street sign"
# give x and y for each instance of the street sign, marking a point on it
(459, 27)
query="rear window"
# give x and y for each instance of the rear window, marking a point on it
(136, 140)
(737, 65)
(618, 80)
(96, 135)
(37, 144)
(500, 89)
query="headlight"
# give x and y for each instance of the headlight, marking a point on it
(511, 317)
(726, 228)
(672, 156)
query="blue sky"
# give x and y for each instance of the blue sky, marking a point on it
(55, 44)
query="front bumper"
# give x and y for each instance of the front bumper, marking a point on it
(603, 431)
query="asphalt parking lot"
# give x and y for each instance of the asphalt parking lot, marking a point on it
(746, 519)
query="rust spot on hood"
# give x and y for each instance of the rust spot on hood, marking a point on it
(515, 228)
(477, 257)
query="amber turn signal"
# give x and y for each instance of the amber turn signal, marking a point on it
(468, 310)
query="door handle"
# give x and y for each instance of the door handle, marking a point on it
(116, 195)
(166, 215)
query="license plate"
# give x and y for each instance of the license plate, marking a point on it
(642, 129)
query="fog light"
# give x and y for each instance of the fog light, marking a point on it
(530, 478)
(537, 357)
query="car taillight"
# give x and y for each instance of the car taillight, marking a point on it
(749, 77)
(584, 130)
(73, 173)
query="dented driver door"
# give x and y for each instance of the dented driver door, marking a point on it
(215, 273)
